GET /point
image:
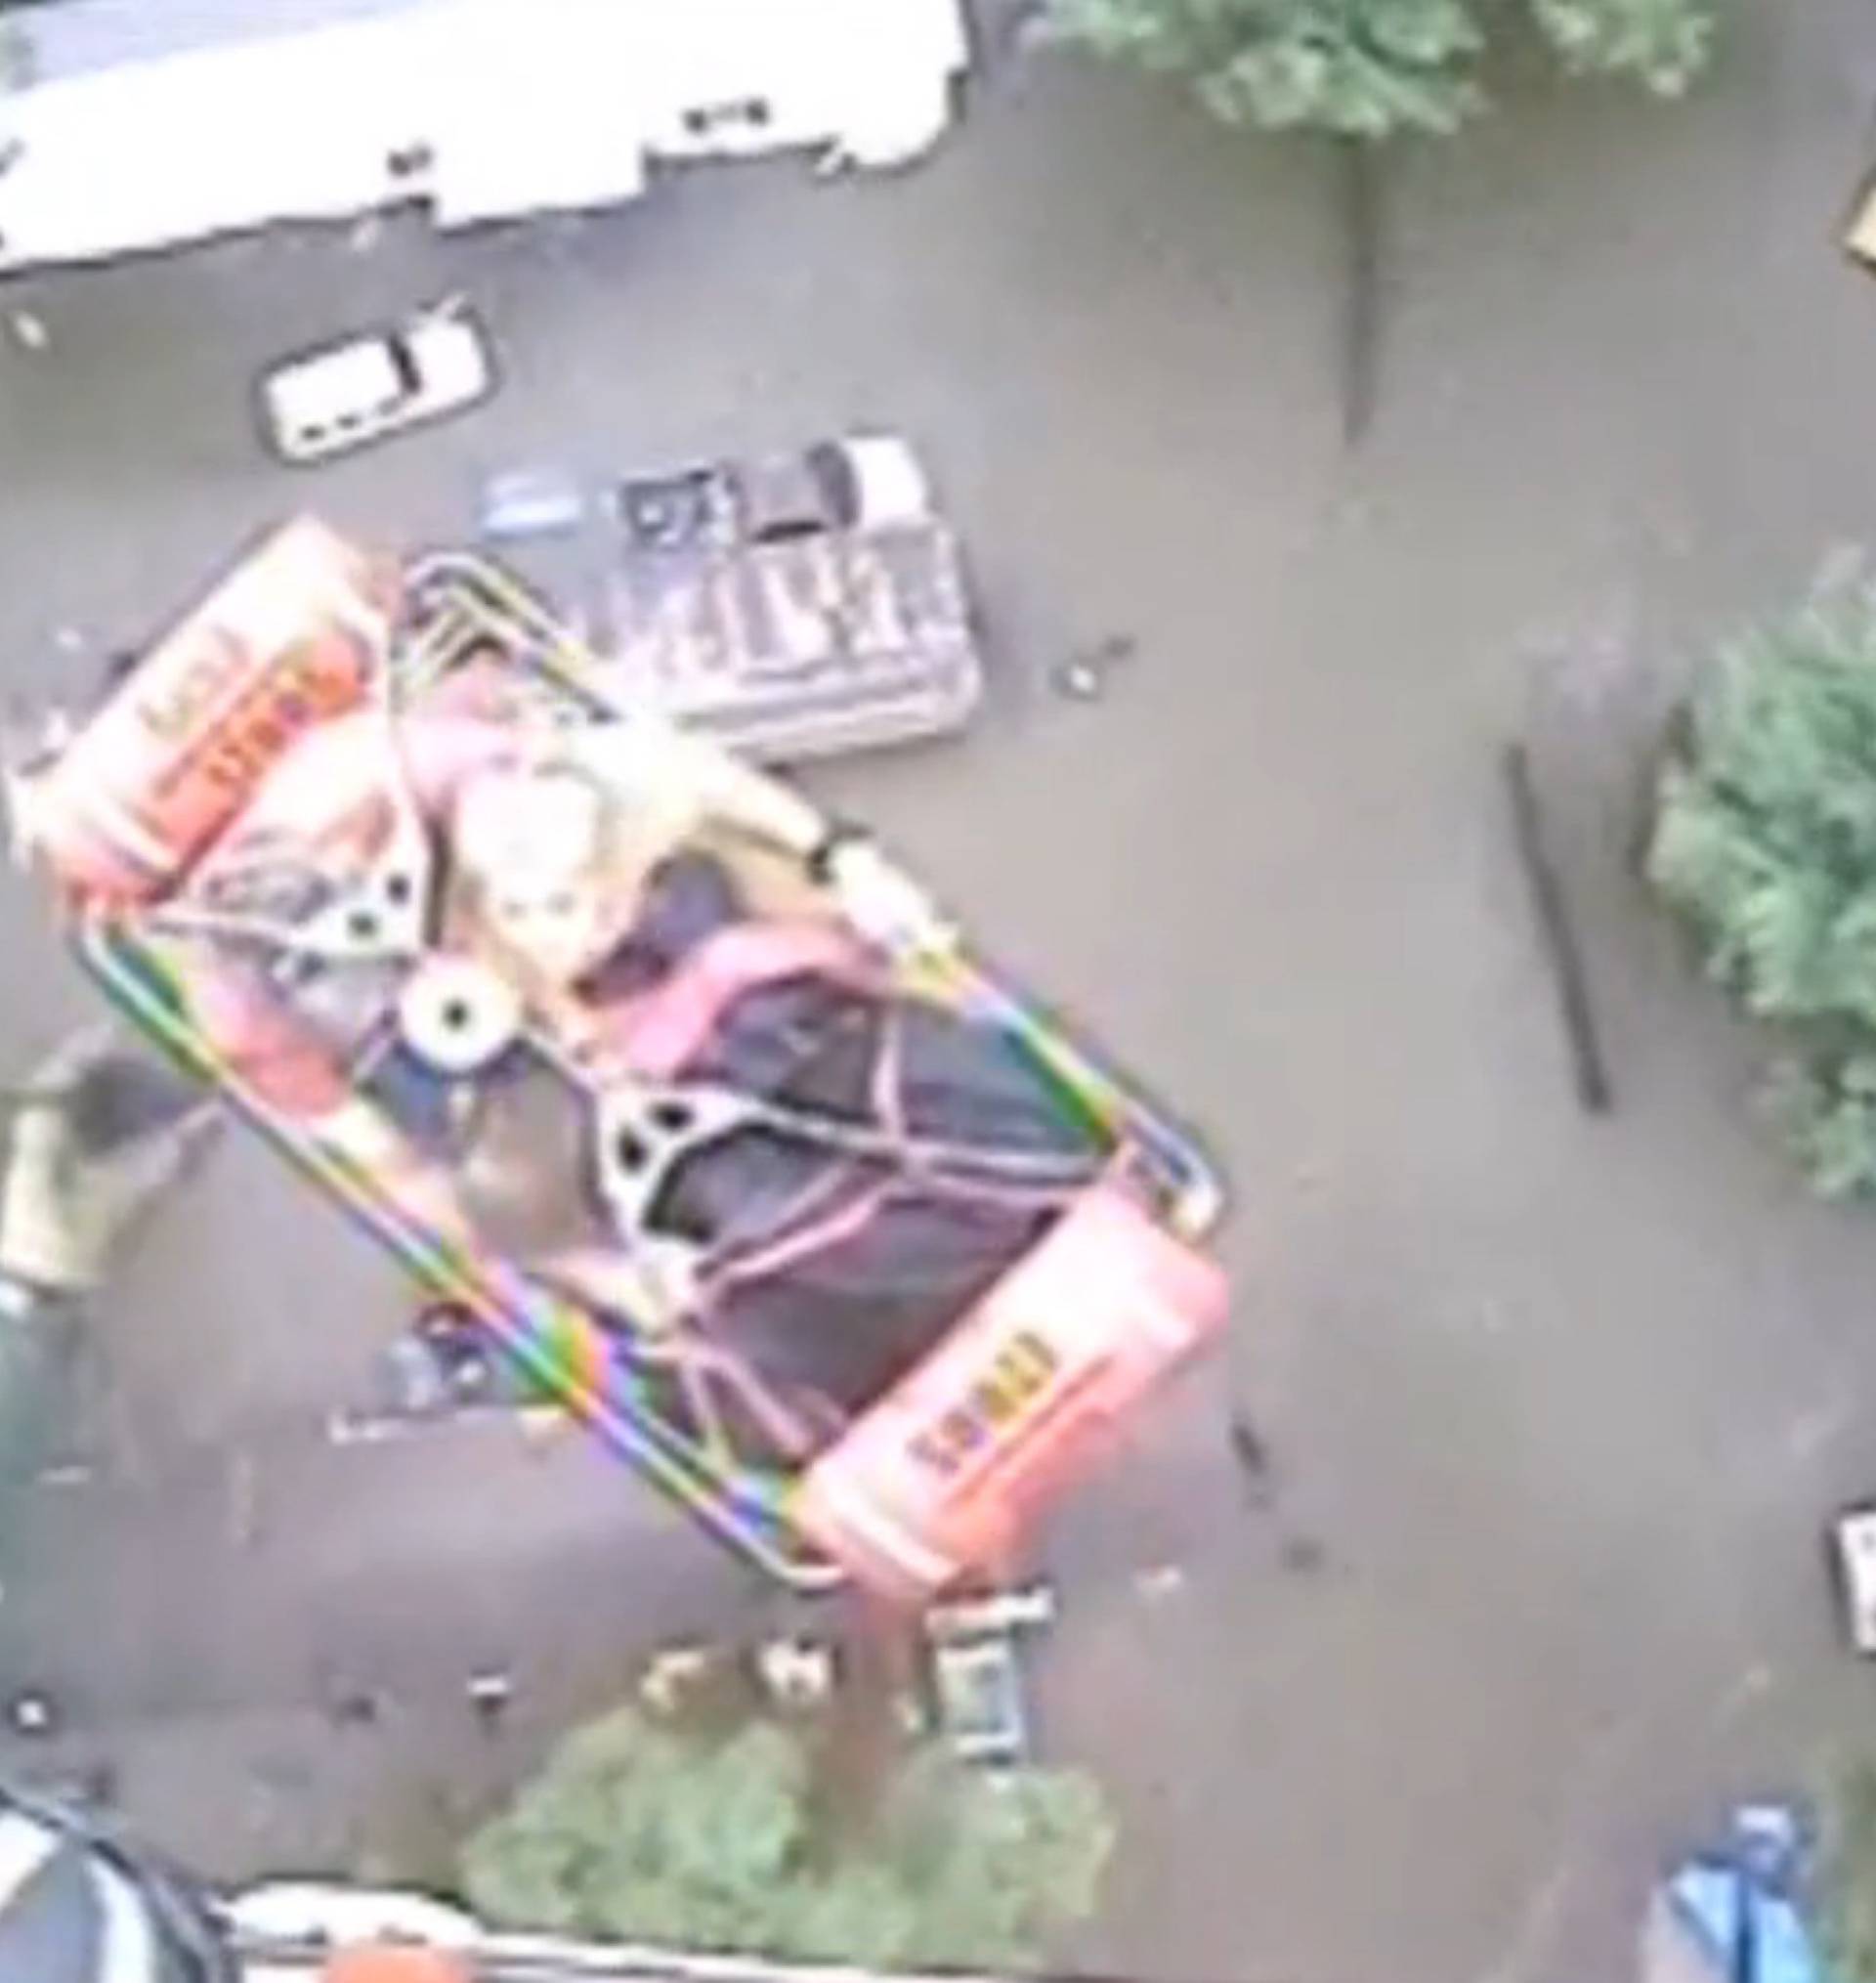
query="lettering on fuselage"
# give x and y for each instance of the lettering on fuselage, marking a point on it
(178, 707)
(1017, 1376)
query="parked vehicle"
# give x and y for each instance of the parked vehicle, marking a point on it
(1860, 229)
(863, 482)
(1853, 1547)
(341, 396)
(979, 1696)
(794, 605)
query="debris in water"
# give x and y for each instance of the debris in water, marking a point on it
(670, 1673)
(32, 1712)
(1558, 932)
(490, 1693)
(28, 330)
(1303, 1555)
(1083, 675)
(1253, 1459)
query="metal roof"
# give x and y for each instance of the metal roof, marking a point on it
(73, 1910)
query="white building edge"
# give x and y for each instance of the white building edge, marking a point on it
(285, 1931)
(132, 134)
(547, 1959)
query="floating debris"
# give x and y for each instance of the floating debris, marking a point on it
(32, 1712)
(490, 1693)
(1252, 1457)
(795, 1673)
(672, 1672)
(1595, 1092)
(1303, 1556)
(1082, 676)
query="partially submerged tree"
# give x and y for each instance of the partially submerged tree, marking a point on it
(1661, 44)
(1763, 840)
(1371, 69)
(646, 1830)
(1362, 70)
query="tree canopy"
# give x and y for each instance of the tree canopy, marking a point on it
(1765, 842)
(1371, 69)
(644, 1829)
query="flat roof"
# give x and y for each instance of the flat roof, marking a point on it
(79, 37)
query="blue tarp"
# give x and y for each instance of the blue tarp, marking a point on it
(1738, 1903)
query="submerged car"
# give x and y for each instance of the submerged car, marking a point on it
(975, 1673)
(861, 482)
(1853, 1547)
(341, 396)
(693, 1100)
(794, 605)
